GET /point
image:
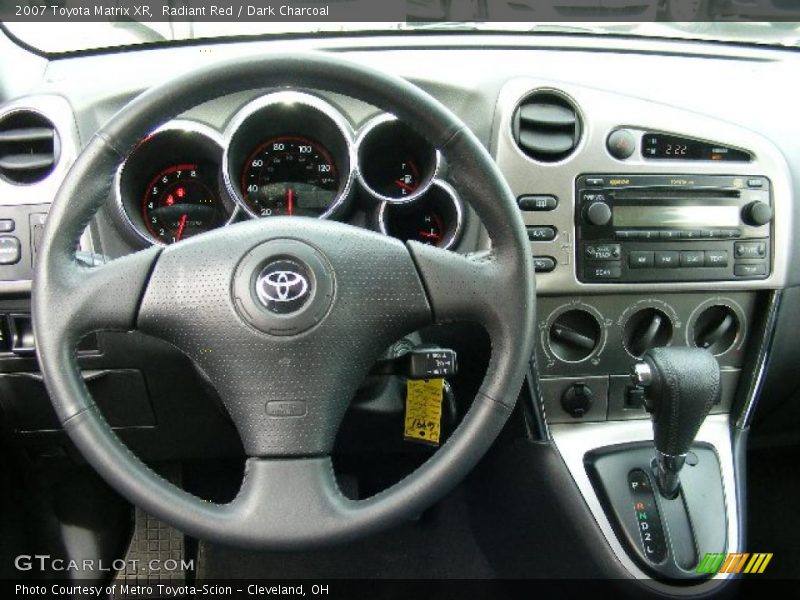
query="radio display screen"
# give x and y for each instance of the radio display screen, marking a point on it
(676, 216)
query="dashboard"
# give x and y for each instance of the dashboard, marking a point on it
(658, 184)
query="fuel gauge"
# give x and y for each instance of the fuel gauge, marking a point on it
(435, 219)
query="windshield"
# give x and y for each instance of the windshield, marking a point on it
(60, 26)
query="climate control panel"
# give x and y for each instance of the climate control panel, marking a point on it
(587, 346)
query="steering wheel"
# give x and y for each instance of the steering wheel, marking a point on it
(362, 292)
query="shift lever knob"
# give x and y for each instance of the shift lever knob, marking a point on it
(681, 385)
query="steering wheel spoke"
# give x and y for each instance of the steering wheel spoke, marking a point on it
(461, 288)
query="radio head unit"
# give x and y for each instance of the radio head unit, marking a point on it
(663, 228)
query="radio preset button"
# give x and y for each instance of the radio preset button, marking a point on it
(750, 249)
(750, 269)
(640, 260)
(716, 258)
(669, 234)
(693, 258)
(603, 252)
(643, 234)
(603, 271)
(667, 259)
(542, 233)
(537, 202)
(690, 234)
(544, 264)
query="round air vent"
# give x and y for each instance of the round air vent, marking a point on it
(546, 127)
(29, 147)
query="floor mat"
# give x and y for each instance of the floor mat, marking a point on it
(438, 545)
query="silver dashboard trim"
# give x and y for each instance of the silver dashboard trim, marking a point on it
(756, 384)
(292, 97)
(602, 112)
(181, 125)
(573, 441)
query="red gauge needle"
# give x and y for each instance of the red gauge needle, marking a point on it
(403, 185)
(290, 201)
(181, 227)
(430, 235)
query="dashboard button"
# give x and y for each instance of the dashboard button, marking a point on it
(693, 258)
(544, 264)
(750, 249)
(690, 234)
(750, 269)
(621, 144)
(537, 202)
(716, 258)
(755, 183)
(7, 225)
(602, 251)
(669, 234)
(624, 234)
(640, 260)
(10, 250)
(594, 181)
(541, 234)
(610, 270)
(667, 259)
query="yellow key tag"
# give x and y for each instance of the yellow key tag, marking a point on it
(424, 410)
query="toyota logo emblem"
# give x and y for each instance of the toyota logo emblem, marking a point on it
(283, 286)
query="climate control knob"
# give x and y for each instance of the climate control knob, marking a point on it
(716, 329)
(574, 335)
(647, 328)
(598, 213)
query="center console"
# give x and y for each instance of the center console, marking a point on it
(653, 229)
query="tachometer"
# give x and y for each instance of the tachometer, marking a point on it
(179, 202)
(290, 175)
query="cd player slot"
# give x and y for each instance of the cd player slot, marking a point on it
(680, 194)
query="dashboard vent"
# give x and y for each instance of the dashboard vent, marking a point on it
(546, 127)
(28, 147)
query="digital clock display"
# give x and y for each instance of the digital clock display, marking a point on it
(662, 146)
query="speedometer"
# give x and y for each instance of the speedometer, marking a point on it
(289, 175)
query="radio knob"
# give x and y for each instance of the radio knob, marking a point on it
(598, 213)
(757, 213)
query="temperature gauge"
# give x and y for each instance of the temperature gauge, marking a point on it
(435, 219)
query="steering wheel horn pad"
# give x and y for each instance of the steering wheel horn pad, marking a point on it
(285, 317)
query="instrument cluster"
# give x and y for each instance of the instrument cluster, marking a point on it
(287, 153)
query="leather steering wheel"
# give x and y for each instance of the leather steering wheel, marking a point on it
(365, 291)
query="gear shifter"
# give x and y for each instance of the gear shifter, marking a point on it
(681, 385)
